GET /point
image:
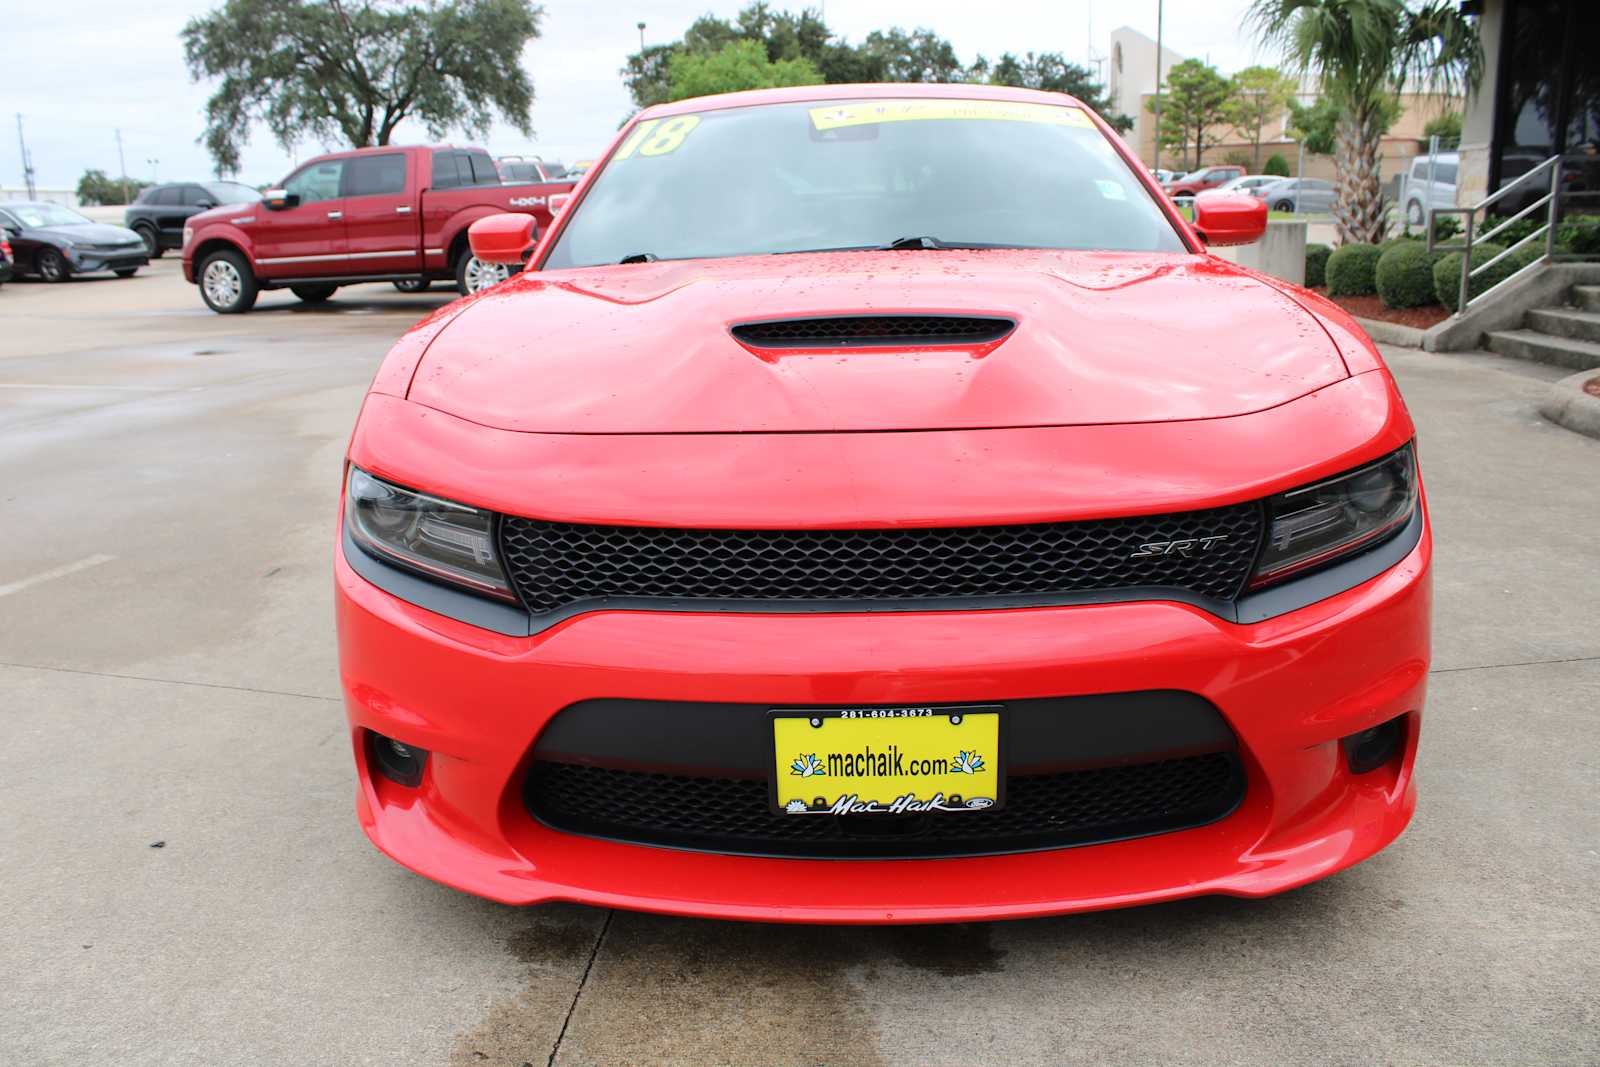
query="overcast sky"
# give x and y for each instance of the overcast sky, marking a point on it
(78, 70)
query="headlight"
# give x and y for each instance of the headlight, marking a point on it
(1319, 523)
(440, 538)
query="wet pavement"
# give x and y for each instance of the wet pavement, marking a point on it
(184, 880)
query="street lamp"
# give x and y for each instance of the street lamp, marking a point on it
(641, 38)
(154, 167)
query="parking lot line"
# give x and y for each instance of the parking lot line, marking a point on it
(100, 388)
(55, 572)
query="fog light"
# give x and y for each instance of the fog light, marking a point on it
(1375, 746)
(399, 762)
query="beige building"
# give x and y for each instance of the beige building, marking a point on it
(1131, 84)
(1404, 142)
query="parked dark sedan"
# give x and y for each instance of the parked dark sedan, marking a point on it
(56, 242)
(159, 213)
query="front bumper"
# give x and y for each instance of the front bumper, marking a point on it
(1289, 687)
(87, 261)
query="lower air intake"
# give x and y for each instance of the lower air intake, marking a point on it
(731, 815)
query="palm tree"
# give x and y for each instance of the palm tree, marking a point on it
(1363, 51)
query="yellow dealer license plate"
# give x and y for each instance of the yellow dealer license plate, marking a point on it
(889, 761)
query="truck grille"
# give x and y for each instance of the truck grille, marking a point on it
(556, 566)
(731, 815)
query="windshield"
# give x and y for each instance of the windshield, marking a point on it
(232, 193)
(825, 176)
(47, 215)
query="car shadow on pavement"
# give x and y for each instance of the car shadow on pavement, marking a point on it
(779, 993)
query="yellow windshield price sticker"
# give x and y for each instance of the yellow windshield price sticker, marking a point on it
(657, 137)
(870, 112)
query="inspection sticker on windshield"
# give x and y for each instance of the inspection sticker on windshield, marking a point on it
(869, 112)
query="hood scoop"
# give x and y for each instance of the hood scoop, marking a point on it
(868, 331)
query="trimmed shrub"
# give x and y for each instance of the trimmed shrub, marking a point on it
(1580, 235)
(1404, 277)
(1352, 270)
(1276, 165)
(1447, 274)
(1444, 228)
(1317, 265)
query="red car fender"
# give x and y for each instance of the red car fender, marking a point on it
(212, 234)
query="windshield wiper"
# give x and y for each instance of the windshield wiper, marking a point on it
(901, 244)
(932, 244)
(640, 257)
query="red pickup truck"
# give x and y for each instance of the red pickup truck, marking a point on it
(388, 214)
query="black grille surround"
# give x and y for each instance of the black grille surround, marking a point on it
(695, 775)
(560, 569)
(731, 815)
(860, 331)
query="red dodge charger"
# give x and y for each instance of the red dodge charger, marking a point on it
(874, 504)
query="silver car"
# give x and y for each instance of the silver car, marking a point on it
(1305, 196)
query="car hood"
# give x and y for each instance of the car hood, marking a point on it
(96, 233)
(1099, 338)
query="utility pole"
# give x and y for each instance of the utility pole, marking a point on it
(1160, 6)
(27, 164)
(123, 163)
(641, 38)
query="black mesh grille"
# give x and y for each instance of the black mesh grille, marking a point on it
(732, 814)
(555, 565)
(873, 330)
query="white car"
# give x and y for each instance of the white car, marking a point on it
(1421, 192)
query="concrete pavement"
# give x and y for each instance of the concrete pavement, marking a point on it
(185, 882)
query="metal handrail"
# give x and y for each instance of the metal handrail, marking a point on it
(1551, 200)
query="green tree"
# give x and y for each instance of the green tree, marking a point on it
(1316, 125)
(1051, 72)
(892, 55)
(353, 70)
(1446, 127)
(918, 56)
(95, 187)
(1276, 166)
(1192, 109)
(738, 65)
(1260, 95)
(1364, 52)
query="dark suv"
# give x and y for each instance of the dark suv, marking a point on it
(160, 211)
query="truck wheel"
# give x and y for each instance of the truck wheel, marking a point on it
(152, 241)
(1414, 213)
(227, 284)
(313, 294)
(473, 274)
(414, 285)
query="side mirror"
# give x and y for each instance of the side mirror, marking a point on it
(507, 238)
(278, 199)
(204, 205)
(557, 202)
(1229, 218)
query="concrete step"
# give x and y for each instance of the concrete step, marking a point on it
(1586, 297)
(1565, 322)
(1544, 348)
